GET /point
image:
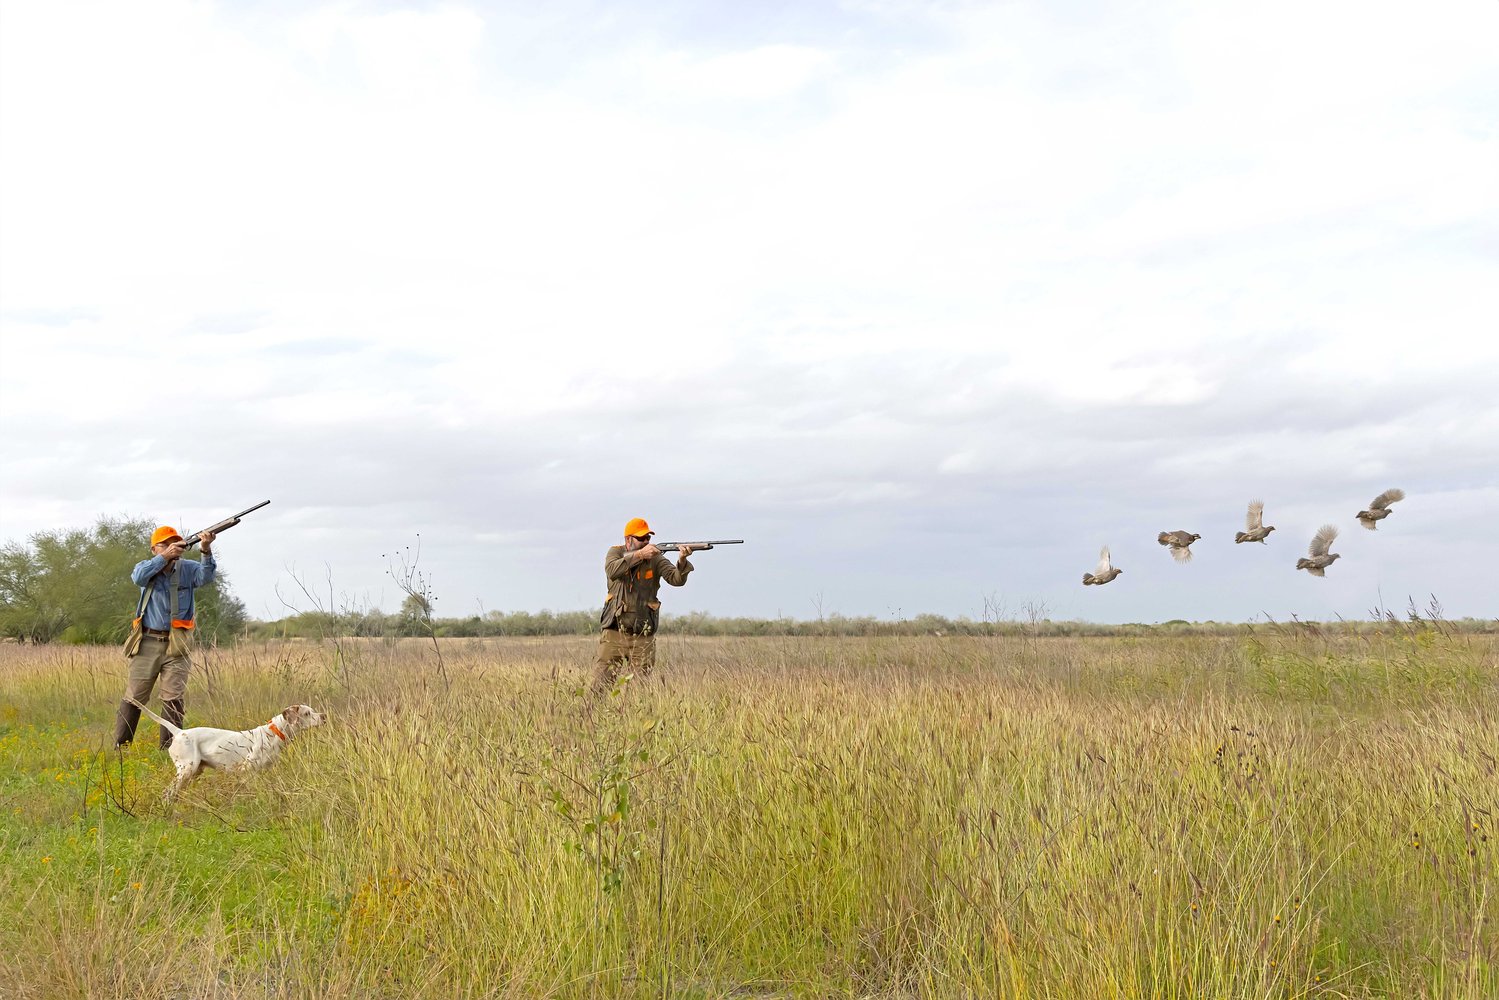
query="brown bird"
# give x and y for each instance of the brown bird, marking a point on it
(1178, 541)
(1320, 557)
(1254, 524)
(1105, 571)
(1379, 508)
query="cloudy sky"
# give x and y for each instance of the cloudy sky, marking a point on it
(927, 301)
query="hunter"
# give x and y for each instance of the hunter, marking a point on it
(632, 613)
(160, 635)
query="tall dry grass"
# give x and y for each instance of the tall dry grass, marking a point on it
(1278, 814)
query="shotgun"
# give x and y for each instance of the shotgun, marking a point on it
(697, 546)
(223, 525)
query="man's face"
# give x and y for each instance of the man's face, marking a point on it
(161, 547)
(633, 542)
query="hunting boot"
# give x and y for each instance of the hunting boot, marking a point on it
(173, 711)
(126, 716)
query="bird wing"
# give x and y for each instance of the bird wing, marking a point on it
(1315, 571)
(1104, 565)
(1181, 553)
(1383, 501)
(1322, 540)
(1254, 520)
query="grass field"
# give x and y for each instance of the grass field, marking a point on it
(1276, 814)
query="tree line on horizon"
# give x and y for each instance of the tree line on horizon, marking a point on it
(74, 587)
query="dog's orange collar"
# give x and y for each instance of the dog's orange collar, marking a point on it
(279, 733)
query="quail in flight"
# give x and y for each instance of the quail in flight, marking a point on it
(1379, 508)
(1105, 571)
(1254, 524)
(1178, 542)
(1319, 558)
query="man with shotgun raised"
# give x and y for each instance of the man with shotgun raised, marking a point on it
(632, 613)
(164, 619)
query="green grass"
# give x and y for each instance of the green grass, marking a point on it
(1282, 814)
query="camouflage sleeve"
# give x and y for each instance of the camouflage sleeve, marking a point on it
(673, 573)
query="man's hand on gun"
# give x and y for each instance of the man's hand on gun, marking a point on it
(648, 552)
(175, 550)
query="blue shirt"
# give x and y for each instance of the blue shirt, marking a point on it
(161, 605)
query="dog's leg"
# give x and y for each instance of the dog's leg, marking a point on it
(184, 753)
(185, 774)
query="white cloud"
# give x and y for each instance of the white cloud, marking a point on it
(759, 74)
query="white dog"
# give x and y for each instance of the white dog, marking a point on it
(200, 747)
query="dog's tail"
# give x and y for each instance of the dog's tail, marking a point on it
(175, 730)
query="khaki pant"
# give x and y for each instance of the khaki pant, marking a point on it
(155, 660)
(615, 648)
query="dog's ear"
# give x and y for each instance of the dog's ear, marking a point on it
(290, 712)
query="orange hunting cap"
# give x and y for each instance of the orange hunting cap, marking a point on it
(163, 534)
(637, 528)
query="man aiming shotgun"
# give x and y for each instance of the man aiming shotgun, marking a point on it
(164, 619)
(632, 612)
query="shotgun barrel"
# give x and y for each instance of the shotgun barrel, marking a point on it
(223, 525)
(697, 546)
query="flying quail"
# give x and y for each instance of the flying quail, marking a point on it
(1254, 524)
(1178, 542)
(1379, 508)
(1105, 571)
(1320, 557)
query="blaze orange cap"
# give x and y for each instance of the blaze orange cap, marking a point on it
(638, 528)
(163, 533)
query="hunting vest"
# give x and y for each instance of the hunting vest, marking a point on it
(178, 603)
(632, 604)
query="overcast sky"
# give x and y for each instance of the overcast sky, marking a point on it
(927, 302)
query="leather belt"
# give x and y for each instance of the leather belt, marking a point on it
(157, 633)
